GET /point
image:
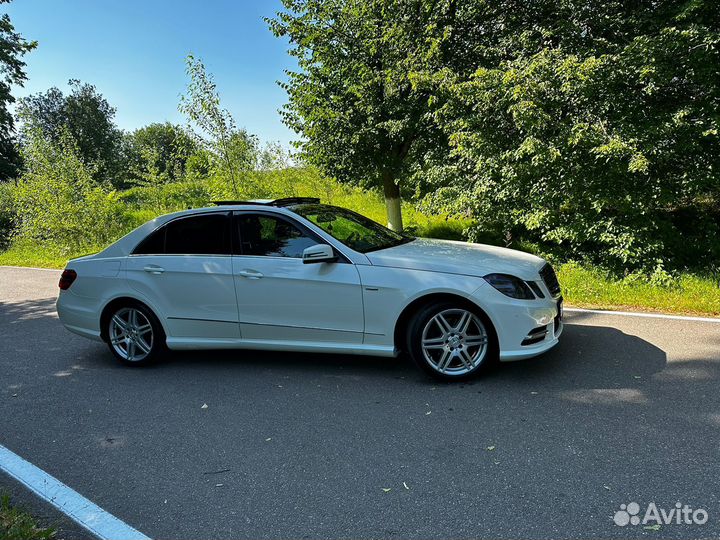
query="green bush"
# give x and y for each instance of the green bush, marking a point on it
(56, 199)
(445, 229)
(57, 205)
(605, 148)
(7, 214)
(168, 197)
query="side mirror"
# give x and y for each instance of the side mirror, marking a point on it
(319, 253)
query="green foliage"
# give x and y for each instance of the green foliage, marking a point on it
(586, 128)
(12, 72)
(56, 199)
(142, 203)
(596, 134)
(161, 152)
(575, 129)
(160, 199)
(273, 157)
(15, 524)
(592, 287)
(49, 239)
(234, 150)
(199, 165)
(7, 213)
(441, 227)
(88, 118)
(363, 118)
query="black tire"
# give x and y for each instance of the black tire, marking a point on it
(465, 359)
(144, 339)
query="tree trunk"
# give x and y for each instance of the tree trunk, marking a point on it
(392, 202)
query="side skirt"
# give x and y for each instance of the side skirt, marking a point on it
(186, 344)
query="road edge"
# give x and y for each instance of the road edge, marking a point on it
(81, 510)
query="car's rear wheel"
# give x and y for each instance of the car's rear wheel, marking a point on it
(135, 335)
(451, 341)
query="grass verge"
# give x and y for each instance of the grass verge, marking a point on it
(689, 294)
(16, 524)
(24, 253)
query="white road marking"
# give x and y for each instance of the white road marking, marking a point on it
(86, 513)
(647, 315)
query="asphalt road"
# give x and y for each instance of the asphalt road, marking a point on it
(321, 446)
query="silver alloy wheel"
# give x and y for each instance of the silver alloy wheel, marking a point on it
(454, 342)
(131, 334)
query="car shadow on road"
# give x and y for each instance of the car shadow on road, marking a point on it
(294, 363)
(12, 313)
(587, 356)
(592, 366)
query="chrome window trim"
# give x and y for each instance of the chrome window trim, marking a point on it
(177, 255)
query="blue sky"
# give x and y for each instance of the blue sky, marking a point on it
(133, 51)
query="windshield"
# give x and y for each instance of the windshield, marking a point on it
(355, 231)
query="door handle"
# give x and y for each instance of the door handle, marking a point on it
(153, 269)
(250, 274)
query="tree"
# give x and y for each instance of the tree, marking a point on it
(12, 71)
(235, 148)
(164, 149)
(593, 127)
(353, 101)
(274, 157)
(58, 201)
(89, 119)
(588, 125)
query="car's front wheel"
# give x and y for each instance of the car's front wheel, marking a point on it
(135, 335)
(450, 341)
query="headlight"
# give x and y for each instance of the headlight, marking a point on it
(510, 286)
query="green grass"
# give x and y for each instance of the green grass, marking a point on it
(25, 253)
(688, 294)
(16, 524)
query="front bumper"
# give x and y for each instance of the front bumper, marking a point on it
(529, 351)
(537, 323)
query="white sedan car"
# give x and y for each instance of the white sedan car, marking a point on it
(297, 275)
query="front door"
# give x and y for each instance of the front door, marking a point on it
(280, 298)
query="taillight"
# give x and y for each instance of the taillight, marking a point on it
(67, 278)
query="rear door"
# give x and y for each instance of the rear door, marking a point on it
(280, 298)
(184, 269)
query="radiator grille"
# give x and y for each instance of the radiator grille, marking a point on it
(550, 279)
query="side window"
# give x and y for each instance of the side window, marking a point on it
(154, 243)
(271, 237)
(207, 234)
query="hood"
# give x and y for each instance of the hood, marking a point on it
(458, 258)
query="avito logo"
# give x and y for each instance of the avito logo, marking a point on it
(629, 514)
